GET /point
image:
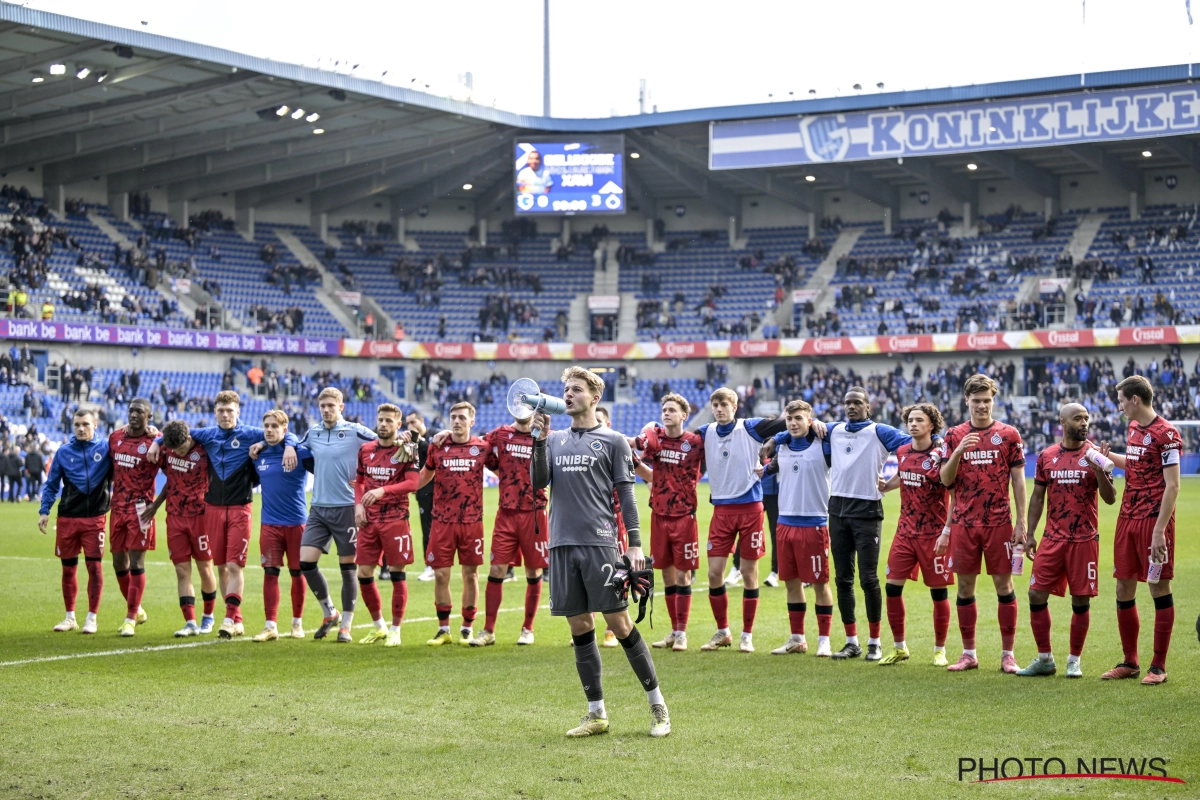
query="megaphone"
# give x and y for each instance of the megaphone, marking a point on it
(525, 399)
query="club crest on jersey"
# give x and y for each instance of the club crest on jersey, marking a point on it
(474, 450)
(686, 447)
(849, 448)
(235, 444)
(1147, 439)
(996, 438)
(597, 445)
(429, 558)
(194, 456)
(510, 434)
(96, 456)
(795, 466)
(341, 434)
(926, 464)
(142, 449)
(1083, 461)
(724, 454)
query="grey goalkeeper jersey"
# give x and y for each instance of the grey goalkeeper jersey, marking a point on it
(584, 468)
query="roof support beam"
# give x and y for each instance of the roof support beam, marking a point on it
(961, 188)
(1035, 179)
(389, 179)
(844, 177)
(68, 119)
(411, 200)
(20, 63)
(12, 102)
(1183, 149)
(1108, 165)
(69, 145)
(490, 197)
(299, 165)
(697, 182)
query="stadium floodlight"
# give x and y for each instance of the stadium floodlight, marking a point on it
(318, 131)
(38, 79)
(100, 78)
(1146, 154)
(279, 112)
(298, 113)
(810, 178)
(313, 117)
(972, 167)
(467, 187)
(123, 51)
(635, 155)
(58, 69)
(83, 73)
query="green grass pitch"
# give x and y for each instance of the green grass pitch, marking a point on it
(300, 719)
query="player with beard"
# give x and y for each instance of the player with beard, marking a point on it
(980, 459)
(584, 465)
(456, 471)
(1145, 527)
(129, 538)
(1069, 476)
(923, 513)
(672, 463)
(387, 473)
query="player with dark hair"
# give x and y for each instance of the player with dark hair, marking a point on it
(83, 471)
(185, 463)
(281, 527)
(129, 537)
(924, 507)
(980, 459)
(1069, 475)
(584, 465)
(227, 501)
(387, 474)
(1145, 536)
(456, 471)
(672, 463)
(415, 423)
(802, 464)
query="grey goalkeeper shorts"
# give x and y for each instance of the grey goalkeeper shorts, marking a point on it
(334, 523)
(581, 580)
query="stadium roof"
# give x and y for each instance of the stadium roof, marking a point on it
(154, 111)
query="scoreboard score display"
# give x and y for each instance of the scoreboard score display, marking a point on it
(563, 177)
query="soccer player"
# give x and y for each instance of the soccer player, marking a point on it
(227, 501)
(185, 463)
(415, 423)
(731, 452)
(281, 526)
(1069, 475)
(334, 445)
(521, 533)
(584, 465)
(1145, 527)
(83, 471)
(456, 471)
(802, 464)
(533, 178)
(980, 458)
(672, 463)
(387, 473)
(923, 513)
(605, 418)
(859, 447)
(133, 484)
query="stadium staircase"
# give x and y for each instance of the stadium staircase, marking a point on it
(821, 279)
(340, 311)
(1078, 248)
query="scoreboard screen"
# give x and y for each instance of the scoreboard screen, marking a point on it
(562, 177)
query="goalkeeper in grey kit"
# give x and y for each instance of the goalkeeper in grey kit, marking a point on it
(583, 466)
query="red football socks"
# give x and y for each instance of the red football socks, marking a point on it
(683, 607)
(399, 601)
(95, 587)
(1039, 620)
(719, 600)
(493, 596)
(533, 598)
(895, 614)
(968, 616)
(271, 597)
(70, 586)
(941, 621)
(1129, 626)
(369, 591)
(749, 609)
(1164, 621)
(1006, 615)
(298, 590)
(1081, 618)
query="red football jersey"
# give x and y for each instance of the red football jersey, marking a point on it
(924, 501)
(1072, 512)
(509, 455)
(380, 467)
(458, 480)
(133, 474)
(981, 487)
(1147, 451)
(187, 481)
(678, 465)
